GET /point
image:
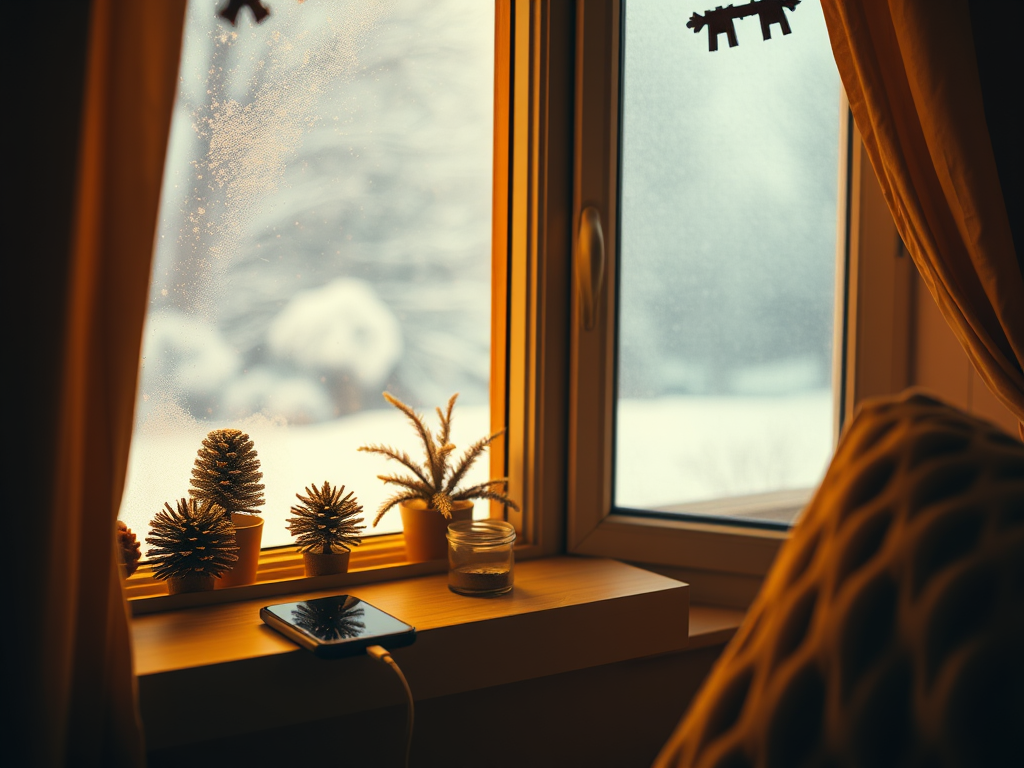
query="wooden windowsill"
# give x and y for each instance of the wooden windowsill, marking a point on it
(218, 670)
(712, 625)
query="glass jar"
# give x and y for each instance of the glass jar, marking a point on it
(480, 557)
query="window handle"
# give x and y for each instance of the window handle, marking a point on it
(589, 264)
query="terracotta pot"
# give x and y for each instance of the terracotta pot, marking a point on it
(426, 529)
(323, 564)
(248, 537)
(193, 582)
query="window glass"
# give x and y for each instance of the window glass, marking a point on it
(324, 236)
(729, 164)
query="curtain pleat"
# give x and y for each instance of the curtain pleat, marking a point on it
(910, 73)
(84, 711)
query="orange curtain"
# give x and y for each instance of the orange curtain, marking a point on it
(82, 706)
(911, 74)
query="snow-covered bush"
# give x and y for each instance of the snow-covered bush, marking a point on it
(186, 359)
(342, 327)
(297, 399)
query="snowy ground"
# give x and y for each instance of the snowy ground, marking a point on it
(678, 449)
(670, 450)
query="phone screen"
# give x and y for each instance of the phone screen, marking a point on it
(338, 625)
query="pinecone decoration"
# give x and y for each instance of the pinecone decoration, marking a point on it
(198, 537)
(129, 551)
(326, 521)
(227, 472)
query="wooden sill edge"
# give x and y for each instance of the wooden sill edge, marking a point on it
(259, 690)
(712, 625)
(572, 613)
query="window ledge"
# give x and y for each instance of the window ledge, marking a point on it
(710, 546)
(218, 670)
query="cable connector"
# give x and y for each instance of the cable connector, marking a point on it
(379, 653)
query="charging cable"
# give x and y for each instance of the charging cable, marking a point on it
(383, 655)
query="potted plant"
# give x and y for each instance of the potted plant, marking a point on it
(192, 545)
(227, 473)
(326, 526)
(431, 497)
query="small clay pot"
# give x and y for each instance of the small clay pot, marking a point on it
(248, 538)
(324, 564)
(426, 529)
(193, 582)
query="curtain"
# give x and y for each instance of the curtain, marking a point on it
(81, 705)
(911, 72)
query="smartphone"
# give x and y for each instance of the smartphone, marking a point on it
(338, 625)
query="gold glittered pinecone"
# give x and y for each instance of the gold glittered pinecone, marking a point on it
(129, 551)
(197, 537)
(227, 472)
(326, 521)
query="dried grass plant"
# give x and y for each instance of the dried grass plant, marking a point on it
(437, 480)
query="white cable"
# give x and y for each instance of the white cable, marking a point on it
(382, 654)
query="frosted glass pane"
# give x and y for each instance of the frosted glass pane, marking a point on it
(324, 236)
(728, 247)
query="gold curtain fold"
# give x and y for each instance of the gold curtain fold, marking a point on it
(910, 71)
(83, 706)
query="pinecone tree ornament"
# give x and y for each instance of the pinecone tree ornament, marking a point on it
(326, 527)
(227, 472)
(326, 521)
(129, 551)
(192, 545)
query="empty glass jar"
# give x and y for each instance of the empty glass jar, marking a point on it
(480, 557)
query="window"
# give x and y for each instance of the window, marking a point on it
(705, 302)
(324, 236)
(541, 111)
(726, 254)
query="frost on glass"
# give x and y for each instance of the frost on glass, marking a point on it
(324, 236)
(728, 247)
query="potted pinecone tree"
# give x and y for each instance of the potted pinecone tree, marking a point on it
(326, 527)
(227, 473)
(432, 496)
(192, 545)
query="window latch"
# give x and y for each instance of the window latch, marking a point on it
(589, 264)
